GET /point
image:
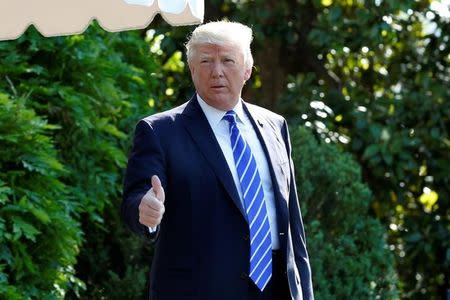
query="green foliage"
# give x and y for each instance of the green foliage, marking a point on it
(392, 113)
(348, 250)
(167, 46)
(39, 234)
(61, 183)
(114, 263)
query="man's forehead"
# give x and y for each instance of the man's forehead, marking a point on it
(209, 49)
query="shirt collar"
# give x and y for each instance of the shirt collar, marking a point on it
(215, 115)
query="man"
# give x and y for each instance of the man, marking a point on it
(212, 183)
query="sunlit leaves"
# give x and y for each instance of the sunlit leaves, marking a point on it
(428, 198)
(174, 63)
(326, 2)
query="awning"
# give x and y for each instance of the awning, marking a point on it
(65, 17)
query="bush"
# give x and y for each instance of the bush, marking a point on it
(60, 231)
(347, 247)
(39, 234)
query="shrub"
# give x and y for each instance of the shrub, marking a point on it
(347, 247)
(60, 185)
(39, 234)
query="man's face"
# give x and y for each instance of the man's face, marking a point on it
(219, 73)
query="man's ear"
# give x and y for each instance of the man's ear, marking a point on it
(247, 74)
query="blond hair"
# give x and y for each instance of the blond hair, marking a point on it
(220, 33)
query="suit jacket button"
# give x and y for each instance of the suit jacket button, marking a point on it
(246, 237)
(244, 275)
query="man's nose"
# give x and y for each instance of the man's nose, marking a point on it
(217, 69)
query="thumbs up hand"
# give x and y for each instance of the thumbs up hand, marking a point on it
(151, 208)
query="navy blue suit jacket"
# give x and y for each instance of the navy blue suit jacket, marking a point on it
(201, 246)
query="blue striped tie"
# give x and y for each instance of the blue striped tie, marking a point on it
(255, 207)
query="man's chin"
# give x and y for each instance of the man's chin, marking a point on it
(221, 102)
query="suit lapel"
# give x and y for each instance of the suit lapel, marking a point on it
(274, 148)
(271, 141)
(197, 125)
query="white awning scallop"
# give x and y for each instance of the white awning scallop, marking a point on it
(65, 17)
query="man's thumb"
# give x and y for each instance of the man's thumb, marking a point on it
(157, 188)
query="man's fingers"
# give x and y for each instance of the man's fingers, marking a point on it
(150, 221)
(152, 213)
(157, 188)
(152, 202)
(151, 210)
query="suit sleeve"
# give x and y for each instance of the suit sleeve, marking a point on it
(146, 159)
(297, 228)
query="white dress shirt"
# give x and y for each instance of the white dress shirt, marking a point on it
(221, 131)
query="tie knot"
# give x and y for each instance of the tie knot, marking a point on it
(230, 116)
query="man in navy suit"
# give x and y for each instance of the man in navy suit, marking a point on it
(183, 188)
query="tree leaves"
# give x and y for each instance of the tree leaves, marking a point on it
(67, 112)
(348, 251)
